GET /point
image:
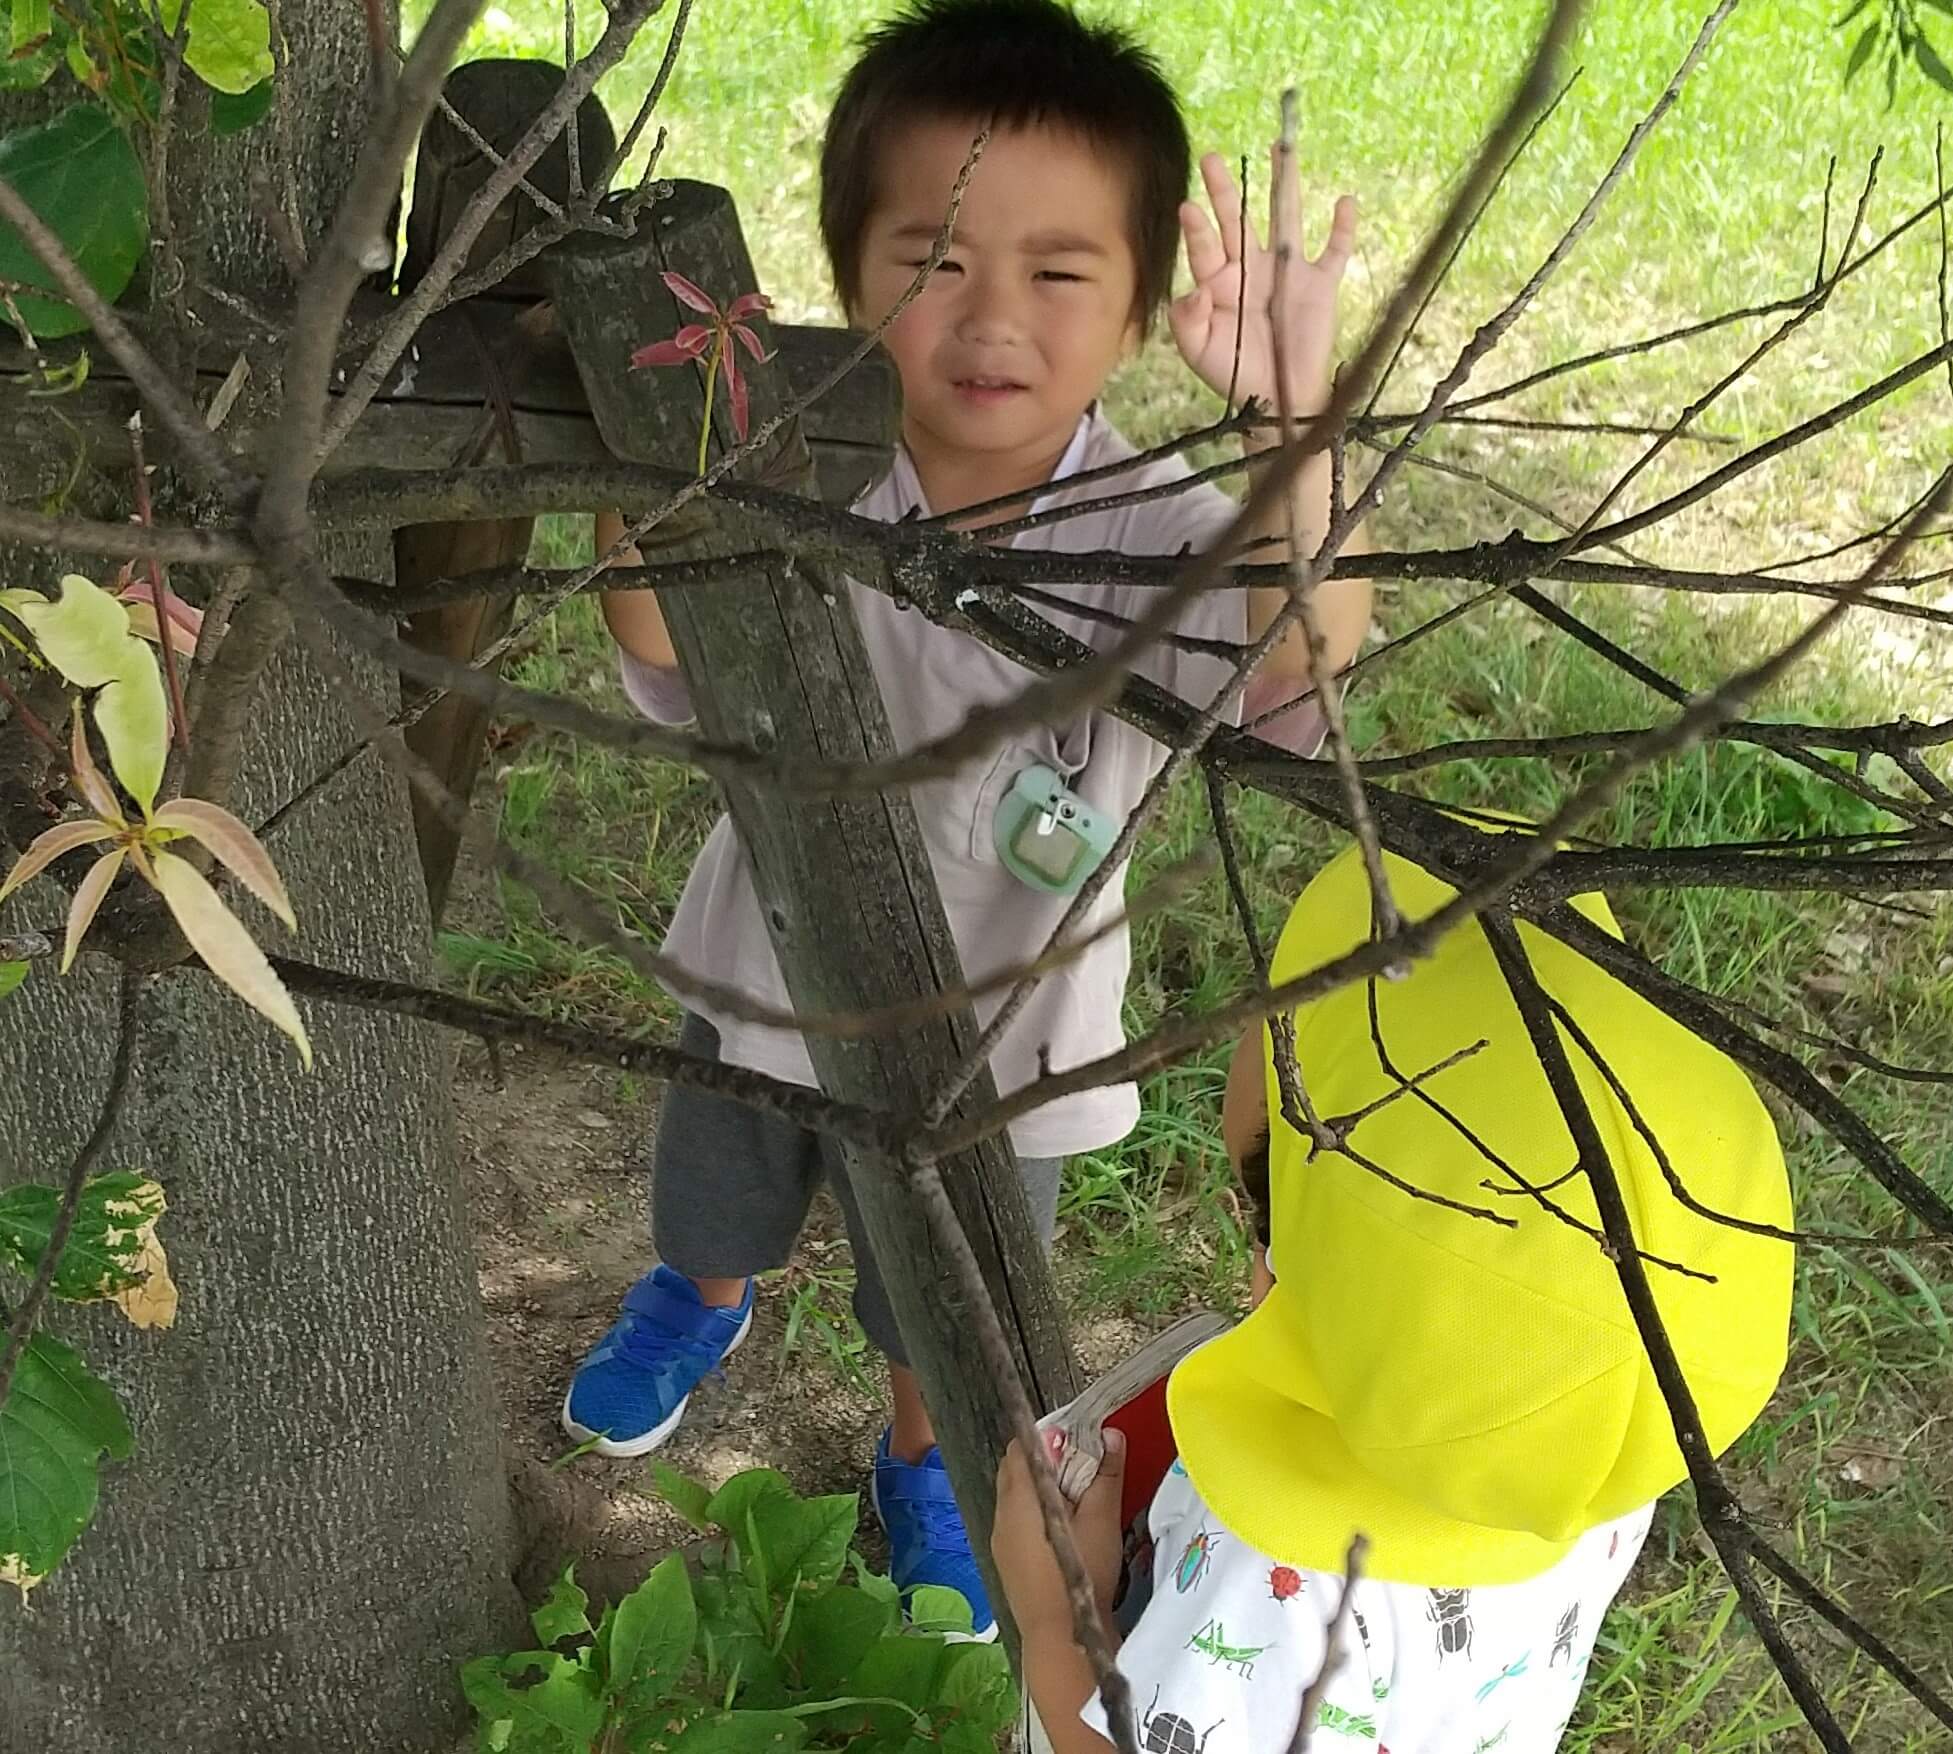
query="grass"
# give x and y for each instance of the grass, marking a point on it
(1848, 1465)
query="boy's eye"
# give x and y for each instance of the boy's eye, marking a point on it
(1062, 275)
(943, 267)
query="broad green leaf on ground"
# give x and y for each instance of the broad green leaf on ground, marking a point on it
(651, 1636)
(976, 1685)
(80, 174)
(11, 975)
(227, 949)
(832, 1632)
(564, 1612)
(58, 1422)
(731, 1503)
(563, 1710)
(691, 1500)
(742, 1732)
(935, 1609)
(230, 42)
(85, 634)
(804, 1538)
(112, 1249)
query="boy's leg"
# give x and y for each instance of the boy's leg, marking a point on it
(730, 1191)
(927, 1540)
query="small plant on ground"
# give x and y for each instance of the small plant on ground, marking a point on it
(782, 1638)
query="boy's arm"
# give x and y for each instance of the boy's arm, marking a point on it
(1342, 605)
(635, 621)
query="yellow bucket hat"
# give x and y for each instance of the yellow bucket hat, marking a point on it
(1474, 1397)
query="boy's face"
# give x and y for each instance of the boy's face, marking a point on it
(1033, 306)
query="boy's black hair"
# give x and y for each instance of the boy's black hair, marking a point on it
(1254, 1180)
(1011, 64)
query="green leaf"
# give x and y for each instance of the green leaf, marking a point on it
(652, 1635)
(58, 1421)
(82, 177)
(233, 112)
(106, 1248)
(86, 637)
(900, 1667)
(562, 1710)
(1931, 65)
(935, 1609)
(741, 1732)
(875, 1584)
(735, 1499)
(230, 42)
(686, 1496)
(564, 1613)
(804, 1538)
(32, 21)
(1861, 51)
(11, 975)
(977, 1686)
(26, 72)
(833, 1631)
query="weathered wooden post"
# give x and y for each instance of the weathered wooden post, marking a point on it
(844, 882)
(498, 99)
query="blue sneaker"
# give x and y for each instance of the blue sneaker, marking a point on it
(928, 1543)
(629, 1394)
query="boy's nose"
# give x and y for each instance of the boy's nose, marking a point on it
(992, 313)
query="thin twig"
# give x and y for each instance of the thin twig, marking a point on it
(1332, 1645)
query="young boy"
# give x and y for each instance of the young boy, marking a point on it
(1062, 256)
(1474, 1398)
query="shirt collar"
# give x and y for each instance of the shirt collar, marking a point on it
(908, 485)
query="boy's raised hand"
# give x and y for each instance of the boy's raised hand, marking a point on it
(1226, 301)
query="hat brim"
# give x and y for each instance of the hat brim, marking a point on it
(1277, 1474)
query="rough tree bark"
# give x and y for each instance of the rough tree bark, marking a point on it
(315, 1529)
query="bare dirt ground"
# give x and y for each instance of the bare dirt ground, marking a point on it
(558, 1190)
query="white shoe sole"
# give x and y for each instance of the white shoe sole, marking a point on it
(989, 1635)
(628, 1449)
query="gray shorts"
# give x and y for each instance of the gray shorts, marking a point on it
(731, 1185)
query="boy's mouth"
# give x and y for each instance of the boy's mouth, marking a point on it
(986, 390)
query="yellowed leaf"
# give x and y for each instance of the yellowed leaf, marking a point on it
(227, 949)
(152, 1303)
(13, 1570)
(50, 846)
(88, 897)
(235, 847)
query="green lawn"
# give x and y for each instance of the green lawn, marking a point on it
(1723, 209)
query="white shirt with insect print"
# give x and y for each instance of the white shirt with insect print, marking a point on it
(1229, 1641)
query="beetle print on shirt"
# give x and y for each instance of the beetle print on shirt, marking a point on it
(1450, 1611)
(1164, 1732)
(1194, 1562)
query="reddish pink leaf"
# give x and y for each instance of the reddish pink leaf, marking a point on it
(746, 304)
(62, 838)
(751, 343)
(735, 393)
(687, 293)
(688, 343)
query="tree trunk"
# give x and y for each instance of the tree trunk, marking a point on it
(314, 1531)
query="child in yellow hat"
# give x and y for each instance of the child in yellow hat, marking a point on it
(1467, 1392)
